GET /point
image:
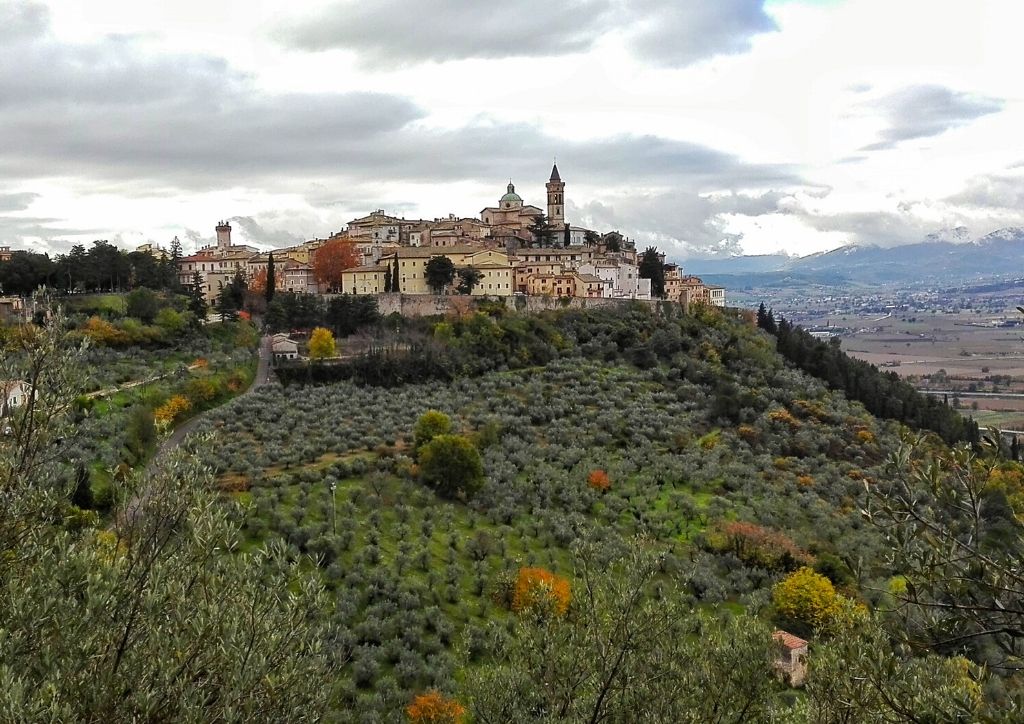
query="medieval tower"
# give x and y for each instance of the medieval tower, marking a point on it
(223, 236)
(556, 198)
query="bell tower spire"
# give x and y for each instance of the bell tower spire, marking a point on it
(556, 197)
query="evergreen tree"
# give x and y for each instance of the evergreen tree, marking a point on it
(231, 298)
(271, 279)
(388, 281)
(652, 268)
(196, 298)
(542, 230)
(395, 287)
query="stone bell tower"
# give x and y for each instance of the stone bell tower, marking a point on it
(223, 236)
(556, 198)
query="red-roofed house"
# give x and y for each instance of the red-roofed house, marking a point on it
(791, 660)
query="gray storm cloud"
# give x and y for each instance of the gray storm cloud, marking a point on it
(390, 33)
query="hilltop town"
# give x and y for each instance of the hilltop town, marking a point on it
(512, 248)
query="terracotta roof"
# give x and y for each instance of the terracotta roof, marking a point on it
(572, 250)
(367, 268)
(789, 640)
(410, 252)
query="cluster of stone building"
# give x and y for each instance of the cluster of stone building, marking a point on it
(511, 251)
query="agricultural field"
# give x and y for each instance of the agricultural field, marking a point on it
(956, 353)
(690, 456)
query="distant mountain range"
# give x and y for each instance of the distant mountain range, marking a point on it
(944, 257)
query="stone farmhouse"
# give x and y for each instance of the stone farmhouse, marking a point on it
(791, 658)
(517, 249)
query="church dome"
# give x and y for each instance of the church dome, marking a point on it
(511, 197)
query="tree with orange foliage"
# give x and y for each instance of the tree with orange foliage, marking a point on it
(331, 259)
(434, 708)
(598, 480)
(540, 588)
(756, 545)
(258, 283)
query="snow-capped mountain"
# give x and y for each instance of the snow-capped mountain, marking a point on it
(945, 256)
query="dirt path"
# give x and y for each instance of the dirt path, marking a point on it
(177, 437)
(129, 385)
(182, 431)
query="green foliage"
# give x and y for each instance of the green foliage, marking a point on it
(416, 580)
(343, 314)
(439, 272)
(959, 546)
(271, 286)
(883, 393)
(451, 465)
(468, 279)
(231, 298)
(855, 676)
(622, 654)
(651, 267)
(163, 623)
(144, 304)
(431, 424)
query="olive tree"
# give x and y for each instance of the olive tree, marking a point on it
(159, 618)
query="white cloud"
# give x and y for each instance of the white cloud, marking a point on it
(704, 127)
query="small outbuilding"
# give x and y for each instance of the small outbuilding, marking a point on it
(284, 348)
(791, 658)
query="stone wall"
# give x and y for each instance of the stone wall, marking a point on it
(426, 305)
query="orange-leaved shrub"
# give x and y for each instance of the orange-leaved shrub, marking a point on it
(435, 708)
(171, 410)
(756, 545)
(598, 480)
(785, 417)
(538, 588)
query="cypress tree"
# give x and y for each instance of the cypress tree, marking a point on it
(394, 278)
(271, 279)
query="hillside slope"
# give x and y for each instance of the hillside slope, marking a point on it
(704, 426)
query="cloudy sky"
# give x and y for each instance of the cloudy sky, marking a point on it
(705, 128)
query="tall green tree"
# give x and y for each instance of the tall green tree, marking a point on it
(271, 287)
(440, 272)
(196, 297)
(651, 267)
(231, 298)
(395, 283)
(468, 279)
(143, 304)
(451, 465)
(541, 230)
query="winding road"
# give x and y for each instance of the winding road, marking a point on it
(182, 431)
(179, 434)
